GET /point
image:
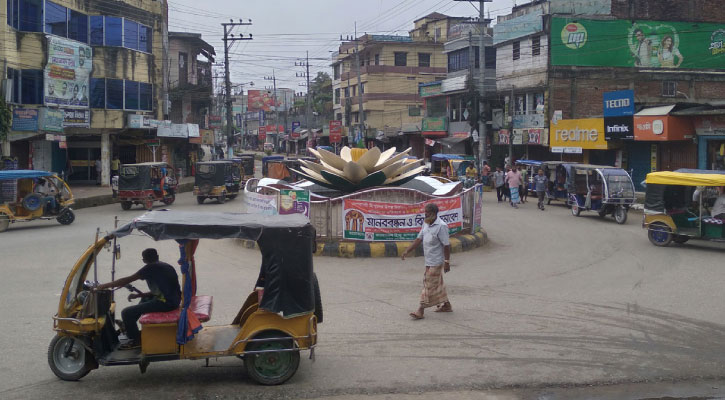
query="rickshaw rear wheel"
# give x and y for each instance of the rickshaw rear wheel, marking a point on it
(620, 215)
(4, 222)
(271, 368)
(659, 234)
(576, 210)
(68, 358)
(126, 205)
(200, 199)
(66, 217)
(169, 199)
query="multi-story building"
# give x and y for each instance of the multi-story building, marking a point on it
(391, 68)
(80, 78)
(557, 60)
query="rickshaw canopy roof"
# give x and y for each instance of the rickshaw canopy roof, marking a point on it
(23, 174)
(216, 162)
(272, 158)
(148, 164)
(532, 163)
(443, 157)
(701, 178)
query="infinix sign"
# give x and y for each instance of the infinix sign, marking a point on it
(584, 133)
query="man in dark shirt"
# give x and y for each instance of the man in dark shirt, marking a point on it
(164, 293)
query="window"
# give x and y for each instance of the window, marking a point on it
(78, 26)
(354, 90)
(14, 74)
(114, 94)
(113, 31)
(337, 96)
(356, 116)
(336, 71)
(424, 59)
(31, 86)
(401, 59)
(536, 46)
(347, 91)
(413, 111)
(56, 19)
(458, 60)
(438, 34)
(96, 30)
(377, 59)
(362, 88)
(517, 50)
(130, 34)
(131, 95)
(145, 41)
(490, 57)
(146, 97)
(31, 15)
(13, 13)
(669, 89)
(98, 93)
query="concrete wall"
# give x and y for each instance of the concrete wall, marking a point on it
(527, 71)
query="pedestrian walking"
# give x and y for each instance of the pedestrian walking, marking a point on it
(437, 252)
(513, 177)
(99, 169)
(485, 171)
(541, 182)
(499, 180)
(115, 166)
(524, 186)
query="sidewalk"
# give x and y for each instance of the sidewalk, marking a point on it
(92, 195)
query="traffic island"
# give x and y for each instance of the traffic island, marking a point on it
(352, 249)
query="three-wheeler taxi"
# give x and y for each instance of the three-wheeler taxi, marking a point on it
(27, 195)
(217, 179)
(247, 166)
(606, 190)
(278, 319)
(678, 205)
(146, 183)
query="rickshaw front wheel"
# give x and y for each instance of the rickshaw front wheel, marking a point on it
(68, 358)
(126, 205)
(222, 199)
(620, 215)
(66, 217)
(4, 222)
(272, 367)
(659, 234)
(200, 199)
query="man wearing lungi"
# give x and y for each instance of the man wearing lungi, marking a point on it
(437, 251)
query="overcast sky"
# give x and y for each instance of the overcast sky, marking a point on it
(284, 30)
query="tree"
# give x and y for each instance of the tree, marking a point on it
(321, 87)
(5, 120)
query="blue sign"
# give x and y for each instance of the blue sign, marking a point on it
(25, 119)
(295, 125)
(239, 119)
(261, 117)
(619, 103)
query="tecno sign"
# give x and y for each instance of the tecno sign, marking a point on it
(619, 103)
(584, 133)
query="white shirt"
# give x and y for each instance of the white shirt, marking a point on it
(435, 237)
(719, 206)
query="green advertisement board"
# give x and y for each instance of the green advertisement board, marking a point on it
(640, 44)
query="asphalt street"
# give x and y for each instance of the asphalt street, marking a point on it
(554, 306)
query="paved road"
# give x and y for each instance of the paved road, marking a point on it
(553, 301)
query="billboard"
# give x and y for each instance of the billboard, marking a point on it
(260, 100)
(67, 73)
(578, 133)
(618, 115)
(640, 44)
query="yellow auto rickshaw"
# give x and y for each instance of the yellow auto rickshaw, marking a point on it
(278, 319)
(27, 195)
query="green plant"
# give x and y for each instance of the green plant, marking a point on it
(5, 120)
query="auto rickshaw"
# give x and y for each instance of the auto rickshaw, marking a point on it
(532, 168)
(265, 164)
(677, 206)
(556, 171)
(217, 179)
(145, 184)
(247, 167)
(607, 190)
(440, 164)
(278, 319)
(27, 195)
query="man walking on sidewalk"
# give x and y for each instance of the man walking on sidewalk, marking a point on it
(540, 184)
(499, 180)
(513, 178)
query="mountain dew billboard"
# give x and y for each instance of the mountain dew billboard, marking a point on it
(640, 44)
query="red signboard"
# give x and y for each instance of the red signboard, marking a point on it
(260, 100)
(262, 133)
(335, 131)
(271, 129)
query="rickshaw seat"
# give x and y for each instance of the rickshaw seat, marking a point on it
(200, 305)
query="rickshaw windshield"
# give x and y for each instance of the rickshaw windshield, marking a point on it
(129, 171)
(206, 169)
(620, 186)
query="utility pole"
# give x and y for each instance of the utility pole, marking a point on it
(229, 40)
(308, 97)
(482, 136)
(512, 109)
(361, 112)
(273, 78)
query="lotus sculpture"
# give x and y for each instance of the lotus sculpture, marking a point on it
(357, 169)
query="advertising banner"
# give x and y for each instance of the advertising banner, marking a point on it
(640, 44)
(478, 208)
(25, 119)
(294, 202)
(518, 137)
(262, 133)
(619, 103)
(76, 118)
(578, 133)
(51, 119)
(662, 128)
(136, 121)
(535, 136)
(215, 121)
(503, 136)
(260, 100)
(529, 121)
(207, 136)
(67, 73)
(376, 221)
(619, 128)
(256, 203)
(295, 134)
(335, 131)
(167, 129)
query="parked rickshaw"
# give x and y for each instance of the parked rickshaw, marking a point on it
(440, 163)
(266, 161)
(677, 206)
(557, 172)
(27, 195)
(146, 183)
(606, 190)
(278, 319)
(532, 168)
(247, 167)
(220, 180)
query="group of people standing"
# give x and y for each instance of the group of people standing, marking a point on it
(511, 185)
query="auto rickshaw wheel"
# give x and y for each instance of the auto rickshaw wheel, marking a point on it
(200, 199)
(126, 205)
(659, 234)
(272, 367)
(576, 210)
(68, 358)
(66, 217)
(620, 215)
(149, 203)
(169, 199)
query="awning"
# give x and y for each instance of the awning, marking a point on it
(436, 134)
(656, 111)
(451, 141)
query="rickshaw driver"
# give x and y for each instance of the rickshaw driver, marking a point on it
(164, 295)
(718, 209)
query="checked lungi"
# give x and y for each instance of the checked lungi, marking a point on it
(434, 290)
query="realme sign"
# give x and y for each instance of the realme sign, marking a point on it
(582, 133)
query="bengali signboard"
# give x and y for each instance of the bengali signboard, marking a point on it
(262, 134)
(51, 119)
(76, 118)
(167, 129)
(640, 44)
(215, 121)
(257, 203)
(67, 73)
(377, 221)
(294, 202)
(529, 121)
(335, 131)
(137, 121)
(295, 134)
(25, 119)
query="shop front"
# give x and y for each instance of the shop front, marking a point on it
(710, 141)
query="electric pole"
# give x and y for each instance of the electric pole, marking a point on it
(361, 113)
(229, 40)
(482, 136)
(308, 98)
(273, 78)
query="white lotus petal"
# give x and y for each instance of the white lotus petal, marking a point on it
(346, 154)
(393, 159)
(369, 159)
(328, 167)
(408, 174)
(312, 174)
(315, 153)
(403, 168)
(354, 172)
(312, 165)
(332, 159)
(390, 170)
(384, 157)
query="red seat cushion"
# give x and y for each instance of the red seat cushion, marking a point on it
(200, 305)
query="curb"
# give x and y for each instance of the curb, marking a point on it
(348, 249)
(105, 199)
